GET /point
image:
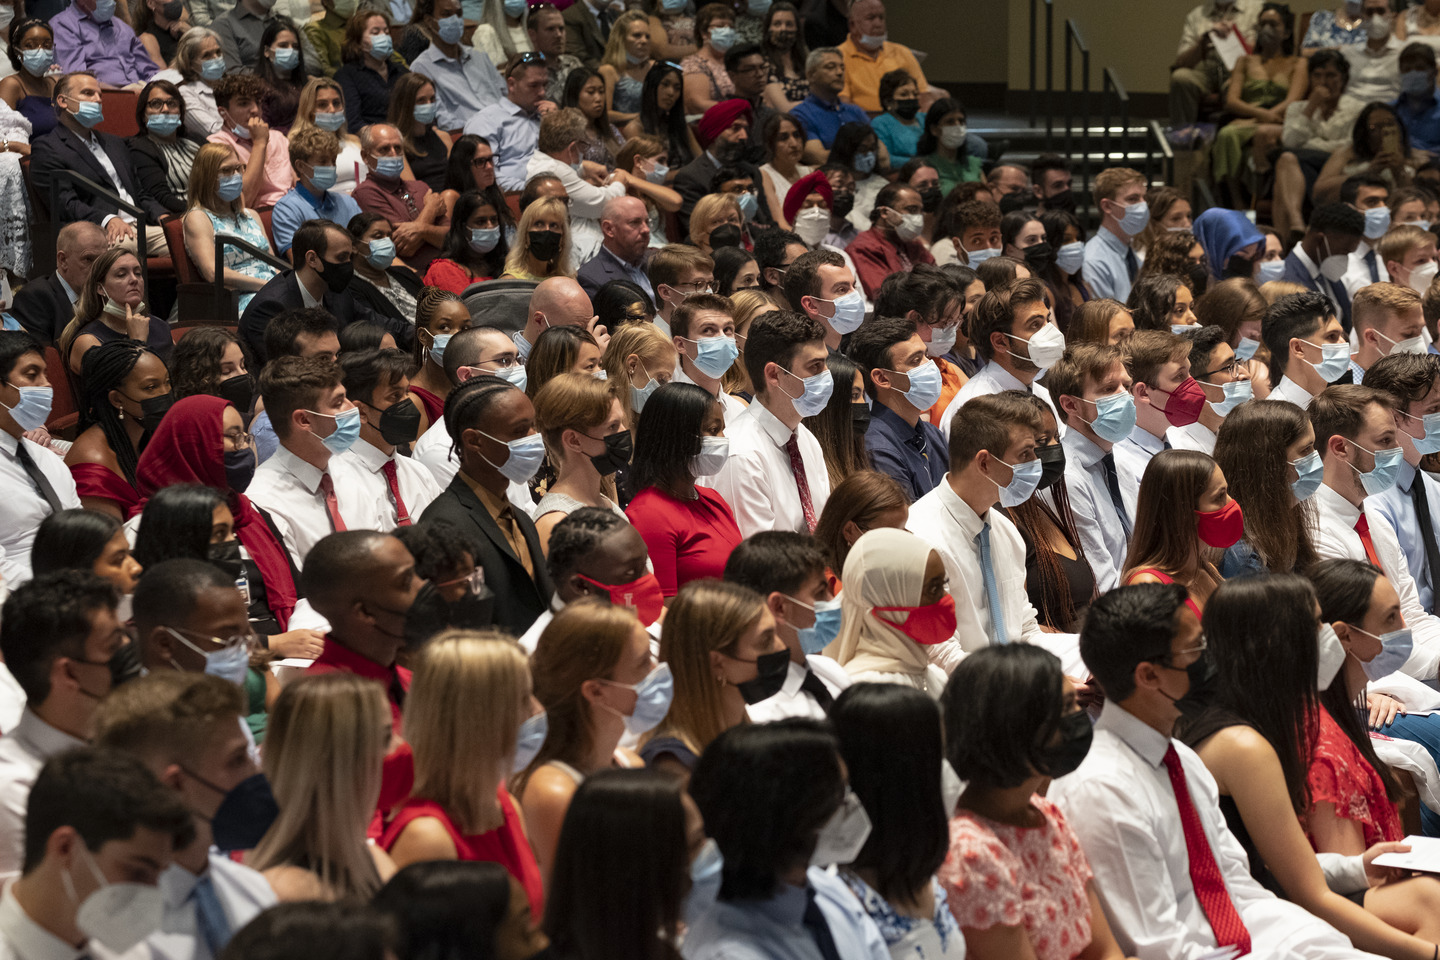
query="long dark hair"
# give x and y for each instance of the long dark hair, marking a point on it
(834, 426)
(105, 368)
(1360, 133)
(929, 139)
(176, 523)
(1167, 535)
(448, 909)
(1056, 222)
(266, 71)
(460, 176)
(457, 239)
(1345, 589)
(860, 499)
(1251, 453)
(71, 540)
(1002, 705)
(621, 867)
(1010, 226)
(670, 128)
(891, 740)
(797, 52)
(667, 437)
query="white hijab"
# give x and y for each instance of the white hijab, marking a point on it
(885, 568)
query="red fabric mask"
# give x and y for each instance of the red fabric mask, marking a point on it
(1185, 403)
(642, 594)
(1221, 528)
(927, 625)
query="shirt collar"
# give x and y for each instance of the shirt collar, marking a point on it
(1331, 502)
(178, 884)
(8, 444)
(1405, 476)
(1292, 391)
(778, 433)
(1146, 440)
(834, 106)
(1110, 240)
(44, 739)
(28, 939)
(369, 455)
(306, 194)
(1311, 267)
(968, 520)
(1148, 743)
(1006, 379)
(1082, 448)
(69, 290)
(786, 907)
(305, 472)
(305, 297)
(337, 655)
(627, 265)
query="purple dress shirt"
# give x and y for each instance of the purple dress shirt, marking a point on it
(110, 50)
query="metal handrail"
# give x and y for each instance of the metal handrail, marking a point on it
(142, 254)
(1049, 64)
(1075, 41)
(1167, 154)
(1110, 83)
(221, 292)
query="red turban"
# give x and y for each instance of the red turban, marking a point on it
(718, 119)
(802, 188)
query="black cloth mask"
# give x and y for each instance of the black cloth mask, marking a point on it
(239, 468)
(544, 244)
(618, 449)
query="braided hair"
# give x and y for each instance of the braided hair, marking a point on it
(102, 369)
(467, 403)
(426, 304)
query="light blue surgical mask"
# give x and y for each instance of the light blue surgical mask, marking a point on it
(864, 162)
(658, 173)
(1070, 257)
(1114, 417)
(1236, 393)
(1416, 82)
(231, 187)
(706, 872)
(1395, 649)
(815, 393)
(1024, 480)
(714, 355)
(390, 167)
(514, 374)
(286, 58)
(381, 46)
(673, 6)
(1136, 218)
(1309, 474)
(1382, 476)
(925, 384)
(450, 29)
(652, 700)
(162, 124)
(526, 455)
(104, 10)
(89, 113)
(1269, 270)
(240, 132)
(33, 407)
(212, 69)
(382, 253)
(824, 630)
(515, 8)
(437, 348)
(1246, 348)
(229, 663)
(1430, 442)
(721, 38)
(1377, 222)
(529, 741)
(426, 112)
(1335, 360)
(330, 121)
(346, 432)
(849, 312)
(323, 178)
(748, 205)
(638, 395)
(484, 239)
(37, 62)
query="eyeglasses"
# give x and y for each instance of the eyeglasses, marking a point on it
(476, 581)
(162, 104)
(483, 161)
(240, 439)
(248, 640)
(1226, 368)
(701, 286)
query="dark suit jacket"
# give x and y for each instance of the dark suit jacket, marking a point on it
(60, 149)
(42, 308)
(584, 36)
(519, 599)
(598, 271)
(283, 293)
(1295, 272)
(693, 182)
(150, 172)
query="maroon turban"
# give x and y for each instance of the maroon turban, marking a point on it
(718, 119)
(802, 188)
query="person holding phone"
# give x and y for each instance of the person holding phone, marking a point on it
(1379, 145)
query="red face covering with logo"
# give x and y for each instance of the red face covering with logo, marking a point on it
(642, 594)
(928, 625)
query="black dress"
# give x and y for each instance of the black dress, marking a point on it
(1048, 600)
(430, 162)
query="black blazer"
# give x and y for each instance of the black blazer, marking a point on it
(600, 270)
(42, 308)
(282, 293)
(368, 294)
(519, 599)
(150, 171)
(60, 149)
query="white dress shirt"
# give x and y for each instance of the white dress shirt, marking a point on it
(1194, 436)
(433, 452)
(992, 378)
(791, 701)
(22, 508)
(417, 484)
(932, 681)
(757, 480)
(1135, 452)
(1374, 76)
(242, 892)
(288, 489)
(23, 751)
(1288, 389)
(1121, 805)
(12, 700)
(1357, 276)
(1334, 535)
(947, 523)
(586, 203)
(21, 938)
(730, 406)
(1398, 509)
(1102, 533)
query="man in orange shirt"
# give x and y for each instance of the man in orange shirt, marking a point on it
(869, 56)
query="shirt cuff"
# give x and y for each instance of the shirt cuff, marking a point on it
(106, 222)
(1343, 874)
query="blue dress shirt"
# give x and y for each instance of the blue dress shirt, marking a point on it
(1397, 507)
(513, 134)
(1105, 266)
(1421, 121)
(916, 457)
(300, 205)
(823, 120)
(464, 85)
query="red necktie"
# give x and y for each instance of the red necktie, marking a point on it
(792, 447)
(402, 516)
(1362, 527)
(1205, 875)
(332, 507)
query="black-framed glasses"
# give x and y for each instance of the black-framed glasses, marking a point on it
(1228, 369)
(483, 161)
(166, 104)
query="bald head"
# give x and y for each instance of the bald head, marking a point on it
(867, 20)
(380, 141)
(76, 247)
(626, 225)
(338, 567)
(560, 301)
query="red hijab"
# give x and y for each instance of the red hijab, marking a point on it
(188, 447)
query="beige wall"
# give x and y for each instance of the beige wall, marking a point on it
(964, 41)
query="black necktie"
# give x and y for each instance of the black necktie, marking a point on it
(817, 689)
(1427, 532)
(1132, 263)
(1112, 483)
(1165, 442)
(1342, 297)
(37, 477)
(814, 921)
(1374, 271)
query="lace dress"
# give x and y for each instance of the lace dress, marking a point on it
(1340, 774)
(14, 204)
(912, 938)
(246, 227)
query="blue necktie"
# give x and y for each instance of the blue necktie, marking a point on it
(1112, 484)
(992, 589)
(1132, 263)
(210, 916)
(1374, 271)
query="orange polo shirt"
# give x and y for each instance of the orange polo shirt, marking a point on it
(864, 69)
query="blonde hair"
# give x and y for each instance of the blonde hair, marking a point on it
(312, 142)
(1112, 180)
(324, 752)
(305, 112)
(1090, 323)
(518, 262)
(748, 305)
(1401, 240)
(462, 718)
(708, 210)
(1378, 300)
(706, 615)
(166, 716)
(645, 341)
(90, 303)
(204, 188)
(1275, 289)
(571, 401)
(615, 54)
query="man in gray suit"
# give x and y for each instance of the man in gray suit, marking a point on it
(625, 222)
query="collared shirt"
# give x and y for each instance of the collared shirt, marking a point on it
(513, 134)
(22, 508)
(773, 929)
(634, 274)
(993, 378)
(1326, 134)
(242, 893)
(1335, 538)
(309, 300)
(730, 406)
(1374, 75)
(864, 68)
(240, 32)
(1288, 389)
(110, 50)
(1357, 274)
(300, 205)
(945, 521)
(92, 143)
(1101, 532)
(279, 175)
(1194, 436)
(758, 482)
(23, 751)
(915, 456)
(1106, 269)
(586, 203)
(1243, 14)
(1398, 508)
(69, 290)
(1422, 121)
(417, 484)
(1122, 806)
(502, 511)
(791, 701)
(21, 938)
(400, 201)
(823, 119)
(288, 488)
(12, 700)
(464, 85)
(335, 657)
(1135, 452)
